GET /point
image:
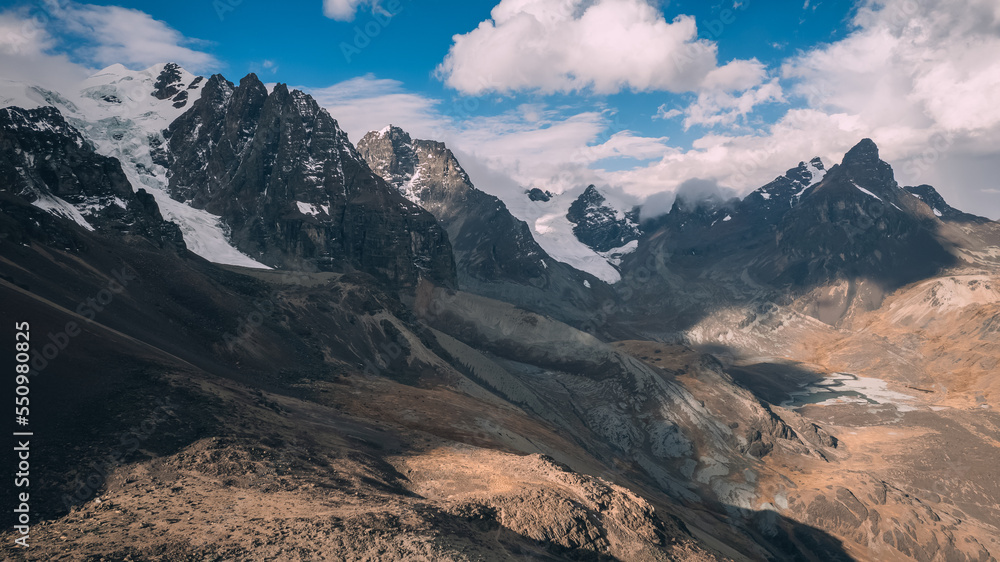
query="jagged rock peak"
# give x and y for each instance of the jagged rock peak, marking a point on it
(42, 119)
(939, 206)
(536, 194)
(806, 173)
(863, 166)
(591, 195)
(863, 152)
(293, 190)
(395, 134)
(495, 253)
(253, 81)
(599, 225)
(391, 154)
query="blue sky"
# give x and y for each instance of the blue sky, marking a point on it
(301, 47)
(561, 93)
(297, 36)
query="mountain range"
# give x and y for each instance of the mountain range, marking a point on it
(288, 346)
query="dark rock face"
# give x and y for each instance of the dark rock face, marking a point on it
(294, 191)
(598, 225)
(168, 83)
(770, 202)
(495, 253)
(536, 194)
(43, 159)
(866, 168)
(858, 223)
(796, 234)
(391, 154)
(940, 207)
(489, 243)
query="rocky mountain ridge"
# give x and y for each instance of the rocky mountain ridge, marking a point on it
(855, 224)
(495, 253)
(599, 225)
(48, 163)
(292, 188)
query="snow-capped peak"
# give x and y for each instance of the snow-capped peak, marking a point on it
(554, 231)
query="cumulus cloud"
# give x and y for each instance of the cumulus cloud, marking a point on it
(917, 76)
(25, 53)
(717, 107)
(603, 45)
(743, 162)
(112, 34)
(928, 65)
(556, 152)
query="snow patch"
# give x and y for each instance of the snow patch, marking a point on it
(817, 173)
(616, 255)
(411, 187)
(61, 208)
(866, 192)
(307, 208)
(817, 176)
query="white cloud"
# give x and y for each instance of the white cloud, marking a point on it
(737, 75)
(921, 76)
(717, 107)
(555, 152)
(25, 45)
(22, 35)
(532, 144)
(368, 103)
(113, 34)
(344, 10)
(663, 113)
(604, 45)
(745, 162)
(917, 76)
(36, 45)
(270, 66)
